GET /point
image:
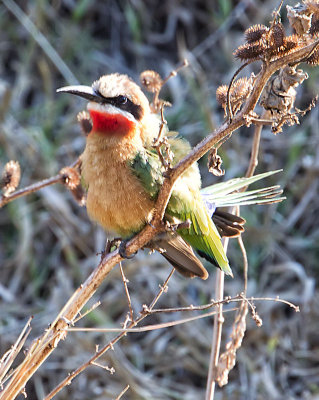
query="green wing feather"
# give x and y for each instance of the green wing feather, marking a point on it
(202, 234)
(185, 202)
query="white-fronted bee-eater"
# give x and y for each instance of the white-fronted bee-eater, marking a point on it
(123, 174)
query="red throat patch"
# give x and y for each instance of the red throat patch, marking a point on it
(110, 124)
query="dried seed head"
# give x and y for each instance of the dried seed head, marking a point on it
(10, 177)
(241, 88)
(314, 28)
(151, 81)
(291, 43)
(257, 319)
(227, 360)
(313, 60)
(85, 121)
(221, 95)
(250, 51)
(70, 177)
(277, 35)
(312, 6)
(255, 32)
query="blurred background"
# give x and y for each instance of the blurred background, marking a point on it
(48, 246)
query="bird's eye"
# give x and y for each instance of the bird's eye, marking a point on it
(122, 99)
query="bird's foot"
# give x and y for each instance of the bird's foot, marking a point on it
(109, 245)
(122, 250)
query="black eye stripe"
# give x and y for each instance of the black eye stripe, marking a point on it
(124, 104)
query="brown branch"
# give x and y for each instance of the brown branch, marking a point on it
(58, 330)
(30, 189)
(35, 186)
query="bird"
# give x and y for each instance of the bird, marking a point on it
(123, 173)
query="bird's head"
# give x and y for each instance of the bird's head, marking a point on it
(117, 105)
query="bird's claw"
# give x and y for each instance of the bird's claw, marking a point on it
(122, 250)
(108, 246)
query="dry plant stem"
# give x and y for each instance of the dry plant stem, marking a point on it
(253, 163)
(70, 377)
(217, 331)
(50, 339)
(34, 187)
(123, 392)
(229, 107)
(125, 281)
(8, 358)
(29, 189)
(218, 319)
(244, 253)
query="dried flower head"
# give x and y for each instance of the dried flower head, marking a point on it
(239, 91)
(221, 95)
(10, 177)
(251, 51)
(241, 88)
(312, 6)
(70, 177)
(85, 121)
(314, 28)
(255, 32)
(277, 35)
(227, 360)
(313, 60)
(291, 42)
(151, 81)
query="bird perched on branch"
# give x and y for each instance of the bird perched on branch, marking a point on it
(123, 173)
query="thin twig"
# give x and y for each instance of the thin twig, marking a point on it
(9, 357)
(110, 345)
(253, 161)
(228, 103)
(30, 189)
(97, 304)
(217, 331)
(125, 282)
(245, 259)
(35, 186)
(123, 392)
(227, 300)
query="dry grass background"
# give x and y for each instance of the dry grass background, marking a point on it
(48, 246)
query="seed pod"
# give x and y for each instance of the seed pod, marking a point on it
(314, 28)
(10, 177)
(255, 32)
(151, 81)
(277, 35)
(250, 51)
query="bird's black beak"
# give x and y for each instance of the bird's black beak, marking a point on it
(87, 92)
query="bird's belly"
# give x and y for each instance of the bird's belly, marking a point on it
(118, 202)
